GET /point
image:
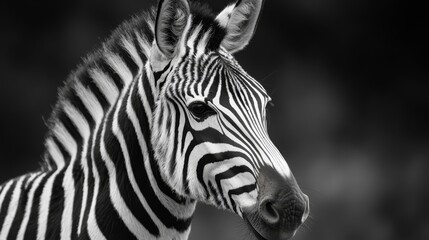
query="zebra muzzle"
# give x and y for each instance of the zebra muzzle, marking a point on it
(281, 207)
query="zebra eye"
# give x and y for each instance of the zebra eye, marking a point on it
(200, 110)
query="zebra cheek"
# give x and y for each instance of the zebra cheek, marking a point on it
(242, 190)
(246, 200)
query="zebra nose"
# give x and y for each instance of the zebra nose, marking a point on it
(285, 213)
(269, 212)
(282, 207)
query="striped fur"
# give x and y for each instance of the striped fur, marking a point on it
(126, 157)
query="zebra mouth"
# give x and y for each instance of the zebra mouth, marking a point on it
(256, 234)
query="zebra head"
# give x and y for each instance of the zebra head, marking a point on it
(209, 130)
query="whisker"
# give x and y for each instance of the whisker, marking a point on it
(270, 74)
(311, 189)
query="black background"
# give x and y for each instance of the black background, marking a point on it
(348, 80)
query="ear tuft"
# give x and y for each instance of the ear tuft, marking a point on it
(240, 21)
(171, 20)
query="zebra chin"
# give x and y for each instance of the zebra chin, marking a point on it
(280, 209)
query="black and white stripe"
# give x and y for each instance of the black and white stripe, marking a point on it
(126, 158)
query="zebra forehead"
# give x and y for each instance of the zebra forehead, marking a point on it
(223, 82)
(219, 77)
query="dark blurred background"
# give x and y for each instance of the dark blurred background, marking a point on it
(349, 88)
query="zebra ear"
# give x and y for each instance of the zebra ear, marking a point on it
(240, 20)
(171, 20)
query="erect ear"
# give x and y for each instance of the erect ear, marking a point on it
(171, 20)
(240, 21)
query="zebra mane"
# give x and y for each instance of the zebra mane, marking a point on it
(95, 85)
(97, 82)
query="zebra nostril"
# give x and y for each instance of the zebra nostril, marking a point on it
(306, 208)
(269, 212)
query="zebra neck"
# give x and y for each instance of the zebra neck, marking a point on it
(125, 170)
(93, 88)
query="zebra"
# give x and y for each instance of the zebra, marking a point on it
(161, 117)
